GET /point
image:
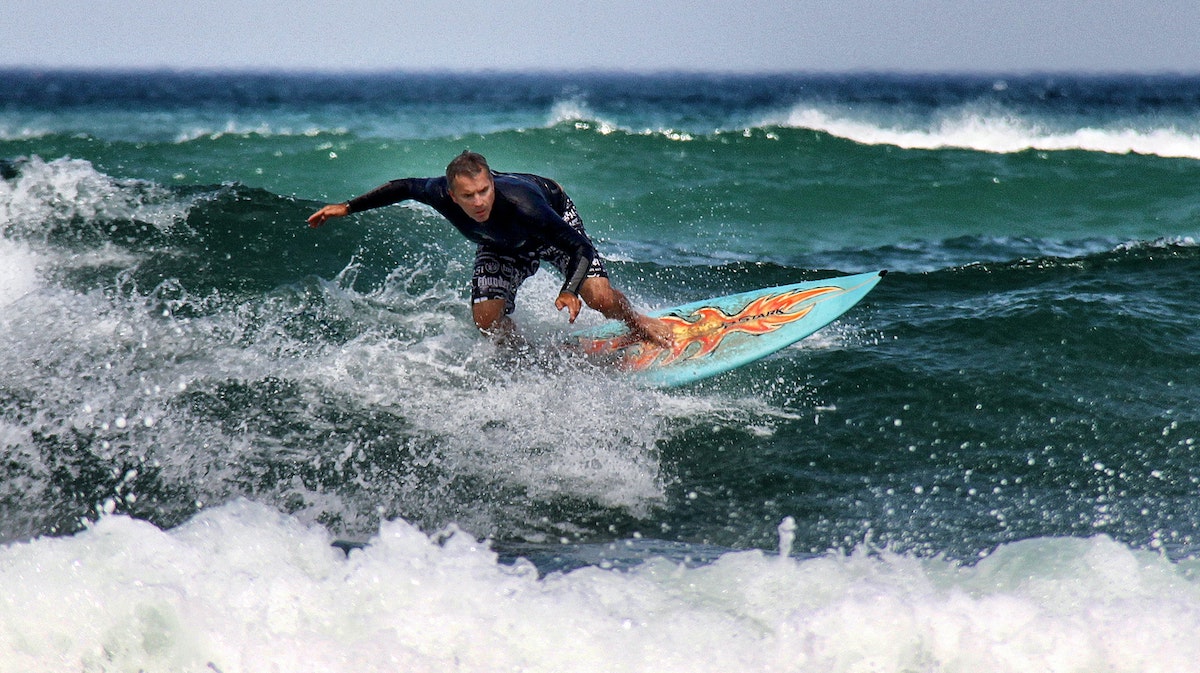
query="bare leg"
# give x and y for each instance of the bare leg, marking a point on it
(598, 293)
(491, 319)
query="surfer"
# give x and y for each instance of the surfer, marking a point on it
(517, 220)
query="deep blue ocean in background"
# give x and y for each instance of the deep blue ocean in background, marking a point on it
(988, 465)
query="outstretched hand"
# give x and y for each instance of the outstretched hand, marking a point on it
(569, 301)
(332, 210)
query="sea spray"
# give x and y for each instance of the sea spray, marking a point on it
(787, 536)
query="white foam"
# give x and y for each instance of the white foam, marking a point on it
(212, 130)
(577, 111)
(9, 132)
(540, 434)
(241, 588)
(48, 193)
(18, 271)
(997, 132)
(136, 381)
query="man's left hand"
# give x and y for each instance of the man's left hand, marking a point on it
(570, 302)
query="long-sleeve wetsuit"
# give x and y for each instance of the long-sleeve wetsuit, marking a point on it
(527, 216)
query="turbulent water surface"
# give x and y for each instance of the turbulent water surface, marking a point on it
(989, 464)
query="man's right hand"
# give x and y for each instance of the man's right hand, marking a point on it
(332, 210)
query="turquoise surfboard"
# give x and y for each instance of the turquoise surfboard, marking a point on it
(715, 335)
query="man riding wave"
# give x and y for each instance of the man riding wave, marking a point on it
(517, 220)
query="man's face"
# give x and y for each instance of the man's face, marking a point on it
(474, 194)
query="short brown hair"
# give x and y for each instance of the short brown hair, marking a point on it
(467, 164)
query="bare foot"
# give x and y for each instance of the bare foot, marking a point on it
(655, 331)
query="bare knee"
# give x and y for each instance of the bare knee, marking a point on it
(489, 315)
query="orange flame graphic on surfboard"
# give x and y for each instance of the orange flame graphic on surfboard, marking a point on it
(703, 331)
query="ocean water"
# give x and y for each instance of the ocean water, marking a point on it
(233, 443)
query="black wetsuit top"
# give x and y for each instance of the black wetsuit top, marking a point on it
(526, 217)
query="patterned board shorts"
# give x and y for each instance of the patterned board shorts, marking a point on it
(498, 274)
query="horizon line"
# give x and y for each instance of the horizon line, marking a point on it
(593, 71)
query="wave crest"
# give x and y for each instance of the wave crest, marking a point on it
(577, 111)
(42, 196)
(997, 131)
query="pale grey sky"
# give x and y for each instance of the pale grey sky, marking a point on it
(645, 35)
